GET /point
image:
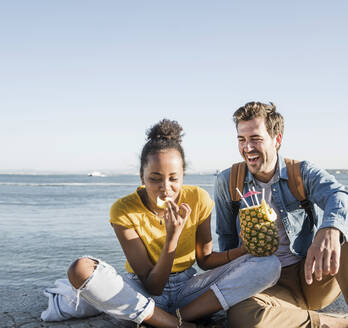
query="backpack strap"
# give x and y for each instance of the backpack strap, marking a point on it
(237, 176)
(295, 183)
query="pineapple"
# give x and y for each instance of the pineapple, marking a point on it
(258, 229)
(162, 204)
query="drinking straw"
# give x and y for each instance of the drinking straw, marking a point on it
(252, 200)
(241, 196)
(257, 201)
(263, 193)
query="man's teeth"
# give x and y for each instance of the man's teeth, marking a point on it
(252, 157)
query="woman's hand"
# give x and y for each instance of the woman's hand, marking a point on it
(206, 258)
(242, 247)
(175, 218)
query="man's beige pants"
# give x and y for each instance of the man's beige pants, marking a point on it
(291, 302)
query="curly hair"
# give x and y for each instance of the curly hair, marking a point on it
(166, 134)
(274, 121)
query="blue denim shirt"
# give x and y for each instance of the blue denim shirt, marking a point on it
(328, 197)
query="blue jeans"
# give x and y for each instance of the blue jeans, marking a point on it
(124, 297)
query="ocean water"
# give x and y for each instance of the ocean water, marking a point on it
(46, 221)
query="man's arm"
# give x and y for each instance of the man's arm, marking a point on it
(323, 256)
(225, 225)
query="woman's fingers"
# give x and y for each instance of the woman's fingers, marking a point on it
(171, 204)
(185, 210)
(171, 212)
(178, 214)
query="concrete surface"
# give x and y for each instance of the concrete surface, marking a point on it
(22, 308)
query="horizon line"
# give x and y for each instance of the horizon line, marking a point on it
(108, 172)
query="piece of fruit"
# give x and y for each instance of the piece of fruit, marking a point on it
(258, 228)
(162, 203)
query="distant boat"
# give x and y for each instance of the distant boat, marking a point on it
(96, 174)
(338, 172)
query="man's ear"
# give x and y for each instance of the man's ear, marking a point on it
(278, 140)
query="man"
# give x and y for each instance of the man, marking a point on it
(314, 261)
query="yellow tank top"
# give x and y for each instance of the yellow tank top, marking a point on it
(130, 212)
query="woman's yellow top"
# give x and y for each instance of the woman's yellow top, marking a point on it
(130, 212)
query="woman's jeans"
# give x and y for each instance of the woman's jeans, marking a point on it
(124, 297)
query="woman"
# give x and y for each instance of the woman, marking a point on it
(161, 245)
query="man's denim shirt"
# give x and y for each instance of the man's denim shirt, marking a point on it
(328, 197)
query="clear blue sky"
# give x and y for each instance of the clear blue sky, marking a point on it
(81, 81)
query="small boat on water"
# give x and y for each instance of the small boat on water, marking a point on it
(96, 174)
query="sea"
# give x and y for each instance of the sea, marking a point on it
(47, 221)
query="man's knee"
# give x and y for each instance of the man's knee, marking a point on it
(271, 268)
(80, 270)
(247, 314)
(344, 250)
(343, 271)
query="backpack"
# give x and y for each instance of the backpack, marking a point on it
(295, 184)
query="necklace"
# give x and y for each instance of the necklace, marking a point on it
(157, 216)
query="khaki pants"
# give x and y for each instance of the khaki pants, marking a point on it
(291, 302)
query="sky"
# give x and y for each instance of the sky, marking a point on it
(82, 81)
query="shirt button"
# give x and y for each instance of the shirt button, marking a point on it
(274, 189)
(299, 206)
(281, 211)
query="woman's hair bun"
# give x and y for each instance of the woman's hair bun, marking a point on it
(165, 130)
(163, 136)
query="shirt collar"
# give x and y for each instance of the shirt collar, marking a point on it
(283, 173)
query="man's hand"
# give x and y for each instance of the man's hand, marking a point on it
(323, 257)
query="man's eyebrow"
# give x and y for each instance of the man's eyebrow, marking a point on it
(253, 136)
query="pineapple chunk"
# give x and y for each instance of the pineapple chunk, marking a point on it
(162, 204)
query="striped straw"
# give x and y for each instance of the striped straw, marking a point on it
(257, 201)
(241, 196)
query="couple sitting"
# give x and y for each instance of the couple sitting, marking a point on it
(161, 242)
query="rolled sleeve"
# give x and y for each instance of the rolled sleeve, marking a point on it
(336, 216)
(331, 196)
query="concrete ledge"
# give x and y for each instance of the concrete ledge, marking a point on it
(22, 308)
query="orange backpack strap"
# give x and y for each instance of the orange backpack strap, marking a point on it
(237, 176)
(295, 181)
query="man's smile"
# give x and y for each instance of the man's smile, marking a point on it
(252, 158)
